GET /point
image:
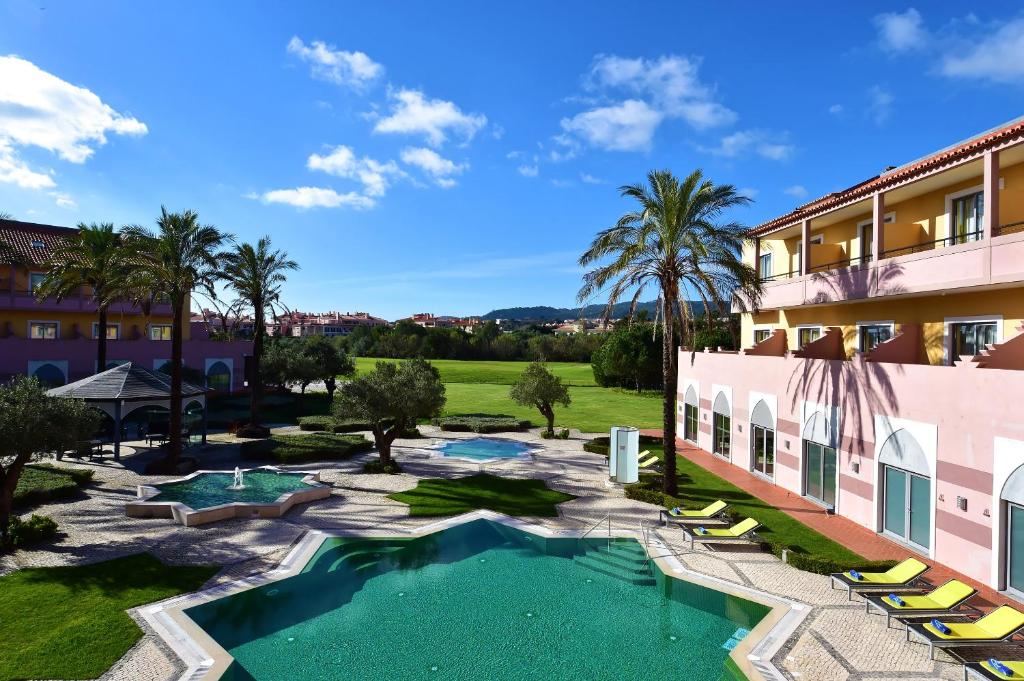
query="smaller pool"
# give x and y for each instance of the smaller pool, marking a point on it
(484, 448)
(261, 486)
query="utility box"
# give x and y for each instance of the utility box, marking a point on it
(623, 452)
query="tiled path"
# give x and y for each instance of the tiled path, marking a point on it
(836, 642)
(857, 538)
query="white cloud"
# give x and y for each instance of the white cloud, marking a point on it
(528, 170)
(513, 155)
(38, 109)
(879, 104)
(835, 109)
(440, 169)
(797, 190)
(561, 184)
(744, 142)
(901, 31)
(996, 56)
(343, 162)
(628, 126)
(352, 69)
(497, 131)
(748, 192)
(63, 200)
(590, 179)
(317, 197)
(413, 114)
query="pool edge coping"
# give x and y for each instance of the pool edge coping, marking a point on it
(207, 660)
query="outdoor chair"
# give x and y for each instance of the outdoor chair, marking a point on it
(902, 576)
(741, 531)
(997, 626)
(989, 670)
(682, 515)
(646, 463)
(942, 600)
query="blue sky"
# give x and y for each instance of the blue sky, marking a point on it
(457, 157)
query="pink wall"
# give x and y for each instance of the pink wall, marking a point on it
(966, 407)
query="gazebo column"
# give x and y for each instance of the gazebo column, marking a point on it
(117, 430)
(205, 415)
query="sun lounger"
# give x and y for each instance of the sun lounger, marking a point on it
(741, 531)
(988, 672)
(998, 625)
(646, 463)
(939, 601)
(683, 515)
(899, 576)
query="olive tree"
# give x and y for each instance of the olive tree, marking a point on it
(31, 424)
(538, 387)
(391, 398)
(329, 362)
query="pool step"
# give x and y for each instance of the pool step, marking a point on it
(631, 575)
(630, 563)
(332, 559)
(361, 557)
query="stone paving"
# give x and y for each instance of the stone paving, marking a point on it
(836, 641)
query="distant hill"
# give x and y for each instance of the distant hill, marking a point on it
(545, 313)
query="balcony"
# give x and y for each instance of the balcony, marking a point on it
(956, 263)
(26, 300)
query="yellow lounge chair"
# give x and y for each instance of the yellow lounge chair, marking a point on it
(738, 532)
(682, 515)
(900, 576)
(939, 601)
(985, 670)
(998, 625)
(648, 462)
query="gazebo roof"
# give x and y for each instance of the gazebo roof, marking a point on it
(129, 382)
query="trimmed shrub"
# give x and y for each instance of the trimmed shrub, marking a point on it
(303, 448)
(562, 434)
(375, 467)
(40, 483)
(329, 424)
(648, 490)
(36, 529)
(480, 423)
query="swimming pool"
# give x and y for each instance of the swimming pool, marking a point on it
(480, 448)
(480, 600)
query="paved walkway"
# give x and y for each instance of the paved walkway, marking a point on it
(836, 642)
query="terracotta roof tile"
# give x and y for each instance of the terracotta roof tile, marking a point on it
(33, 242)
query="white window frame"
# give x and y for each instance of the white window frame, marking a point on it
(891, 323)
(149, 332)
(887, 219)
(947, 337)
(110, 325)
(815, 239)
(949, 207)
(771, 263)
(819, 327)
(28, 329)
(762, 327)
(31, 288)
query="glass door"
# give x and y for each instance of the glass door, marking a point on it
(907, 506)
(820, 472)
(1015, 548)
(763, 456)
(968, 212)
(690, 422)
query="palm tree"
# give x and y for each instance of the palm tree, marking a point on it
(255, 274)
(673, 242)
(176, 259)
(95, 257)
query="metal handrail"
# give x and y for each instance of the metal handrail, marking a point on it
(954, 240)
(1011, 228)
(846, 262)
(781, 275)
(607, 517)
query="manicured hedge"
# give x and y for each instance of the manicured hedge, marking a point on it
(600, 445)
(301, 448)
(40, 483)
(481, 423)
(330, 424)
(25, 533)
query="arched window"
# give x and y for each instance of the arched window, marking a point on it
(218, 377)
(690, 411)
(1013, 496)
(906, 489)
(49, 376)
(762, 440)
(820, 460)
(722, 427)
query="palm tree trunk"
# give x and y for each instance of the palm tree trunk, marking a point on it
(101, 345)
(669, 380)
(174, 436)
(256, 380)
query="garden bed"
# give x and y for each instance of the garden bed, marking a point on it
(289, 449)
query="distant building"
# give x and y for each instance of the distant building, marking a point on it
(569, 327)
(302, 324)
(430, 321)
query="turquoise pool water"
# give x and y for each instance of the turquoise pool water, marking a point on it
(211, 489)
(484, 448)
(479, 601)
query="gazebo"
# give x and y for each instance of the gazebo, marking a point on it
(127, 387)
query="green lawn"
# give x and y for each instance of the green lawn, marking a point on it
(504, 373)
(289, 449)
(70, 622)
(699, 487)
(441, 497)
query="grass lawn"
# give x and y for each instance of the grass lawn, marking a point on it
(593, 410)
(306, 447)
(40, 483)
(504, 373)
(69, 622)
(440, 497)
(699, 487)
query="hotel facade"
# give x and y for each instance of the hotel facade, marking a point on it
(55, 341)
(883, 373)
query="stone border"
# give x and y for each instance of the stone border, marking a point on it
(206, 660)
(432, 449)
(190, 517)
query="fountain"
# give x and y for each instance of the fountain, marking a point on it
(238, 483)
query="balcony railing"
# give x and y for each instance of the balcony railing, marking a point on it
(1011, 228)
(954, 240)
(846, 262)
(782, 275)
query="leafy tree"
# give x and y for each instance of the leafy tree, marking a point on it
(95, 257)
(255, 274)
(538, 387)
(630, 357)
(274, 367)
(33, 423)
(328, 362)
(391, 398)
(176, 259)
(674, 240)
